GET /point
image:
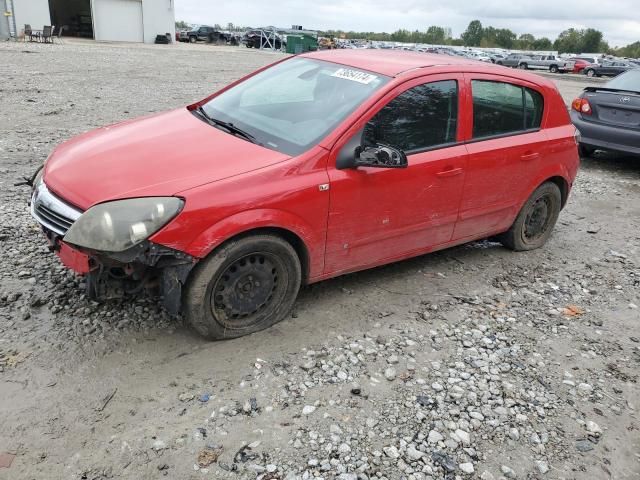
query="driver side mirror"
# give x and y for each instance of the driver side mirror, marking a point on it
(381, 156)
(354, 154)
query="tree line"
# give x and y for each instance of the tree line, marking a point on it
(572, 40)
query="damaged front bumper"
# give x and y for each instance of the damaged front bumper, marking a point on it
(109, 275)
(145, 267)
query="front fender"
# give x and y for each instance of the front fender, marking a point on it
(249, 220)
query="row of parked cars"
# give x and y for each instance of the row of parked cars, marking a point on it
(590, 66)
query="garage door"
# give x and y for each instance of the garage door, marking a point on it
(118, 20)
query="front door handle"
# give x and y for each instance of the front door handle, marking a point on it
(529, 156)
(452, 172)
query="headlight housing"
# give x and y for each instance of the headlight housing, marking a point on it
(119, 225)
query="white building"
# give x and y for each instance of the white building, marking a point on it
(102, 20)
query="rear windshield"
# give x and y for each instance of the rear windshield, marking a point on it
(628, 81)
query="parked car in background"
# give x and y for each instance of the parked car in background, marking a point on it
(608, 68)
(495, 57)
(579, 65)
(595, 60)
(311, 168)
(480, 56)
(201, 32)
(608, 116)
(513, 60)
(546, 62)
(258, 39)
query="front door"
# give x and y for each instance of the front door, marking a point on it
(378, 215)
(506, 149)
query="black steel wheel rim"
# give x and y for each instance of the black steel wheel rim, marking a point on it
(538, 218)
(247, 288)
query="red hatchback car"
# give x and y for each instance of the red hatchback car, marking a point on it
(318, 165)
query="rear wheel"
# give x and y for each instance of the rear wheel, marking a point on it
(246, 286)
(590, 72)
(523, 66)
(535, 222)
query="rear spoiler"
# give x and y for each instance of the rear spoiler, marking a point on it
(607, 89)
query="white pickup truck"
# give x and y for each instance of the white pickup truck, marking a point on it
(546, 62)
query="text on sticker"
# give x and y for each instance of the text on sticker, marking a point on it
(354, 75)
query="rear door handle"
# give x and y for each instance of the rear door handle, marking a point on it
(452, 172)
(529, 156)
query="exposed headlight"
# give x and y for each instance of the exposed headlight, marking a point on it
(119, 225)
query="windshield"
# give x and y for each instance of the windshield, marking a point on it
(629, 81)
(294, 104)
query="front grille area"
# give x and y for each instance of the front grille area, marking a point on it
(51, 212)
(54, 219)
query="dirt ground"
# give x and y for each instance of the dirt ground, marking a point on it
(474, 362)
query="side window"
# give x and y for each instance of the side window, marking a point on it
(422, 117)
(533, 106)
(501, 108)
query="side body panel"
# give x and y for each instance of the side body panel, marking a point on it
(499, 172)
(286, 196)
(377, 214)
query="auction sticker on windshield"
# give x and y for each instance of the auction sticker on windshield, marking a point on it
(354, 75)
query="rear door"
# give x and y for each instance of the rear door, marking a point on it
(506, 148)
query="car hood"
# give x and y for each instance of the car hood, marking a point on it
(159, 155)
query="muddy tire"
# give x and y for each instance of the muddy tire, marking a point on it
(246, 286)
(535, 222)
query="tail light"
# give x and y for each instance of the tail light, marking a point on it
(581, 105)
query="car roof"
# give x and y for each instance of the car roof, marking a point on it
(388, 62)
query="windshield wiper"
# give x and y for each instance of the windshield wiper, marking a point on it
(228, 126)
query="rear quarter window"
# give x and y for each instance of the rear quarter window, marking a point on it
(501, 108)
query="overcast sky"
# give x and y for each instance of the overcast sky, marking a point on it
(619, 20)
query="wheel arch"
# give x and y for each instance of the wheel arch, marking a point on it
(562, 184)
(307, 242)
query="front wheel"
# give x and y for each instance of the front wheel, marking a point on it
(533, 225)
(590, 72)
(523, 66)
(193, 39)
(246, 286)
(553, 69)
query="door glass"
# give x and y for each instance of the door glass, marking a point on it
(501, 108)
(419, 118)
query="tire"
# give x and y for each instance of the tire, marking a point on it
(523, 66)
(585, 150)
(553, 69)
(193, 39)
(590, 72)
(499, 62)
(249, 284)
(534, 224)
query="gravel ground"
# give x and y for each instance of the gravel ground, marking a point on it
(474, 362)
